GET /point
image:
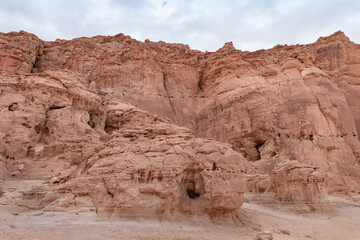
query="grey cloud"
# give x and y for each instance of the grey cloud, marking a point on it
(204, 25)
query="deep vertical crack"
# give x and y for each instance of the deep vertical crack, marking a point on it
(201, 81)
(36, 61)
(168, 96)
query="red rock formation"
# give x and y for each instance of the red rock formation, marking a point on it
(104, 117)
(18, 52)
(111, 156)
(147, 163)
(340, 58)
(293, 182)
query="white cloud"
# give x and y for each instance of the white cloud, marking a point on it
(203, 24)
(288, 7)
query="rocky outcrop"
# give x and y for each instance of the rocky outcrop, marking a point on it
(159, 168)
(121, 125)
(276, 105)
(293, 182)
(271, 105)
(45, 126)
(19, 52)
(111, 156)
(340, 58)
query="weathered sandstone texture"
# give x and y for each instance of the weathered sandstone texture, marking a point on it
(111, 156)
(288, 177)
(157, 167)
(150, 128)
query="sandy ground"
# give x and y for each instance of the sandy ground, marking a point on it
(342, 223)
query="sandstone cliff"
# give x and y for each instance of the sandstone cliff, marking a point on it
(122, 125)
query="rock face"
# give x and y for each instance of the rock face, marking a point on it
(162, 170)
(121, 125)
(111, 156)
(18, 52)
(293, 182)
(340, 58)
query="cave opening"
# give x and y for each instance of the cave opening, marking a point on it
(258, 145)
(13, 107)
(214, 167)
(190, 186)
(91, 122)
(192, 194)
(109, 126)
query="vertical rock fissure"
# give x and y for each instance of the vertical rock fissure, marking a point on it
(200, 82)
(35, 61)
(168, 96)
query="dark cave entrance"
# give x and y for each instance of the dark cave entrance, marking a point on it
(192, 194)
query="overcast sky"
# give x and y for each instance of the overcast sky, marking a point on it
(204, 25)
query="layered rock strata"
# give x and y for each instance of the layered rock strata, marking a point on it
(290, 102)
(109, 155)
(122, 125)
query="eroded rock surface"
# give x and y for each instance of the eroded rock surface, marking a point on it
(19, 52)
(293, 182)
(286, 103)
(160, 168)
(110, 156)
(118, 125)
